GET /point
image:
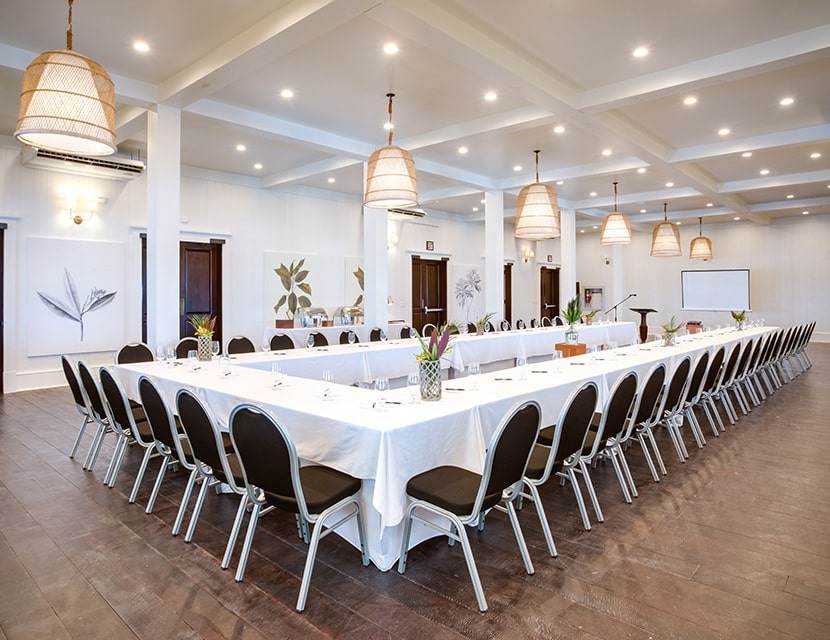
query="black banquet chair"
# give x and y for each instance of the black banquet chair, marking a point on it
(345, 337)
(461, 496)
(240, 344)
(281, 341)
(377, 334)
(316, 339)
(406, 332)
(273, 478)
(134, 352)
(80, 401)
(186, 344)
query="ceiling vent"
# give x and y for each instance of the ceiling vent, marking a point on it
(110, 167)
(412, 213)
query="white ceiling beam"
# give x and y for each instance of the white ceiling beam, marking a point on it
(744, 62)
(768, 182)
(787, 205)
(306, 171)
(805, 135)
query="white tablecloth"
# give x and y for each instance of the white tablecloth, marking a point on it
(386, 448)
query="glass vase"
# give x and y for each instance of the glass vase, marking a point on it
(203, 344)
(430, 380)
(571, 335)
(669, 339)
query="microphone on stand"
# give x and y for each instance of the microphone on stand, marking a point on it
(614, 308)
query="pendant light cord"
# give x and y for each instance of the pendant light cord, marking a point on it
(665, 215)
(390, 96)
(536, 151)
(69, 30)
(700, 227)
(615, 196)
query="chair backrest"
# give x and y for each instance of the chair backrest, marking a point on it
(558, 321)
(268, 458)
(505, 325)
(650, 394)
(471, 327)
(713, 375)
(488, 326)
(616, 413)
(74, 385)
(406, 332)
(158, 414)
(428, 330)
(93, 392)
(695, 387)
(205, 439)
(344, 336)
(240, 344)
(319, 339)
(119, 412)
(675, 391)
(546, 322)
(376, 334)
(281, 341)
(731, 364)
(134, 352)
(746, 356)
(534, 323)
(520, 324)
(571, 426)
(186, 344)
(508, 452)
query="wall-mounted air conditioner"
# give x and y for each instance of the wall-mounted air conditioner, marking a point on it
(412, 213)
(110, 167)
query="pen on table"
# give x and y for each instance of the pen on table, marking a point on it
(577, 363)
(454, 389)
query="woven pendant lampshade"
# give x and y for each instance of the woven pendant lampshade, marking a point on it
(67, 103)
(616, 228)
(390, 175)
(665, 239)
(537, 213)
(701, 247)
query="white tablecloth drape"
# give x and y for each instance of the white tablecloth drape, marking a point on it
(385, 445)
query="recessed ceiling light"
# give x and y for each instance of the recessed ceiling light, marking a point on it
(642, 210)
(462, 150)
(490, 96)
(790, 196)
(690, 100)
(286, 93)
(737, 218)
(593, 194)
(595, 227)
(482, 201)
(710, 204)
(641, 170)
(559, 129)
(815, 155)
(724, 131)
(332, 180)
(390, 48)
(670, 184)
(241, 147)
(141, 46)
(786, 102)
(582, 231)
(258, 166)
(804, 213)
(678, 223)
(388, 125)
(606, 152)
(517, 167)
(764, 172)
(475, 208)
(560, 182)
(640, 52)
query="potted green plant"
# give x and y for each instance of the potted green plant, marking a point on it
(482, 321)
(590, 316)
(740, 319)
(429, 361)
(203, 326)
(572, 315)
(670, 330)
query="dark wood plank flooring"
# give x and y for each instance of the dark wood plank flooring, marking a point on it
(735, 543)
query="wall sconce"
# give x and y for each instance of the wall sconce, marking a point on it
(607, 260)
(527, 254)
(80, 214)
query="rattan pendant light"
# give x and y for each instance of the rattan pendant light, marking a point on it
(67, 103)
(537, 214)
(390, 175)
(701, 247)
(616, 228)
(665, 239)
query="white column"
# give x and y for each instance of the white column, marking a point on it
(494, 253)
(616, 284)
(163, 213)
(567, 275)
(375, 266)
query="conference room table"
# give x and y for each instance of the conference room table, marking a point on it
(386, 440)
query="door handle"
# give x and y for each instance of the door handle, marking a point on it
(549, 306)
(181, 306)
(435, 310)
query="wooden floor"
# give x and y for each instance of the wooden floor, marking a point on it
(735, 543)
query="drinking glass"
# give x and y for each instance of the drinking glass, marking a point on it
(612, 346)
(171, 353)
(521, 367)
(161, 355)
(193, 359)
(382, 335)
(382, 388)
(276, 375)
(412, 332)
(214, 348)
(473, 369)
(326, 382)
(557, 360)
(352, 337)
(462, 328)
(413, 383)
(309, 341)
(266, 344)
(224, 366)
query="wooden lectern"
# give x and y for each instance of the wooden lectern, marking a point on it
(643, 324)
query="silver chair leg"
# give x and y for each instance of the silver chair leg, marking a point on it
(627, 472)
(197, 509)
(140, 475)
(86, 421)
(191, 480)
(620, 477)
(237, 524)
(571, 475)
(642, 440)
(657, 456)
(162, 470)
(246, 545)
(520, 539)
(543, 520)
(591, 492)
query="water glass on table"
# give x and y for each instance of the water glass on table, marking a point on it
(276, 375)
(381, 389)
(326, 384)
(193, 359)
(413, 383)
(521, 367)
(557, 360)
(473, 370)
(214, 348)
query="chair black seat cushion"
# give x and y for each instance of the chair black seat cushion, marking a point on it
(451, 488)
(589, 442)
(322, 487)
(537, 462)
(546, 435)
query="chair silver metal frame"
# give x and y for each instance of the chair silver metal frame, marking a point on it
(81, 401)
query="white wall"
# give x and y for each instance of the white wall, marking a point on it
(789, 263)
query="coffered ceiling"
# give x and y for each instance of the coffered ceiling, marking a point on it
(564, 74)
